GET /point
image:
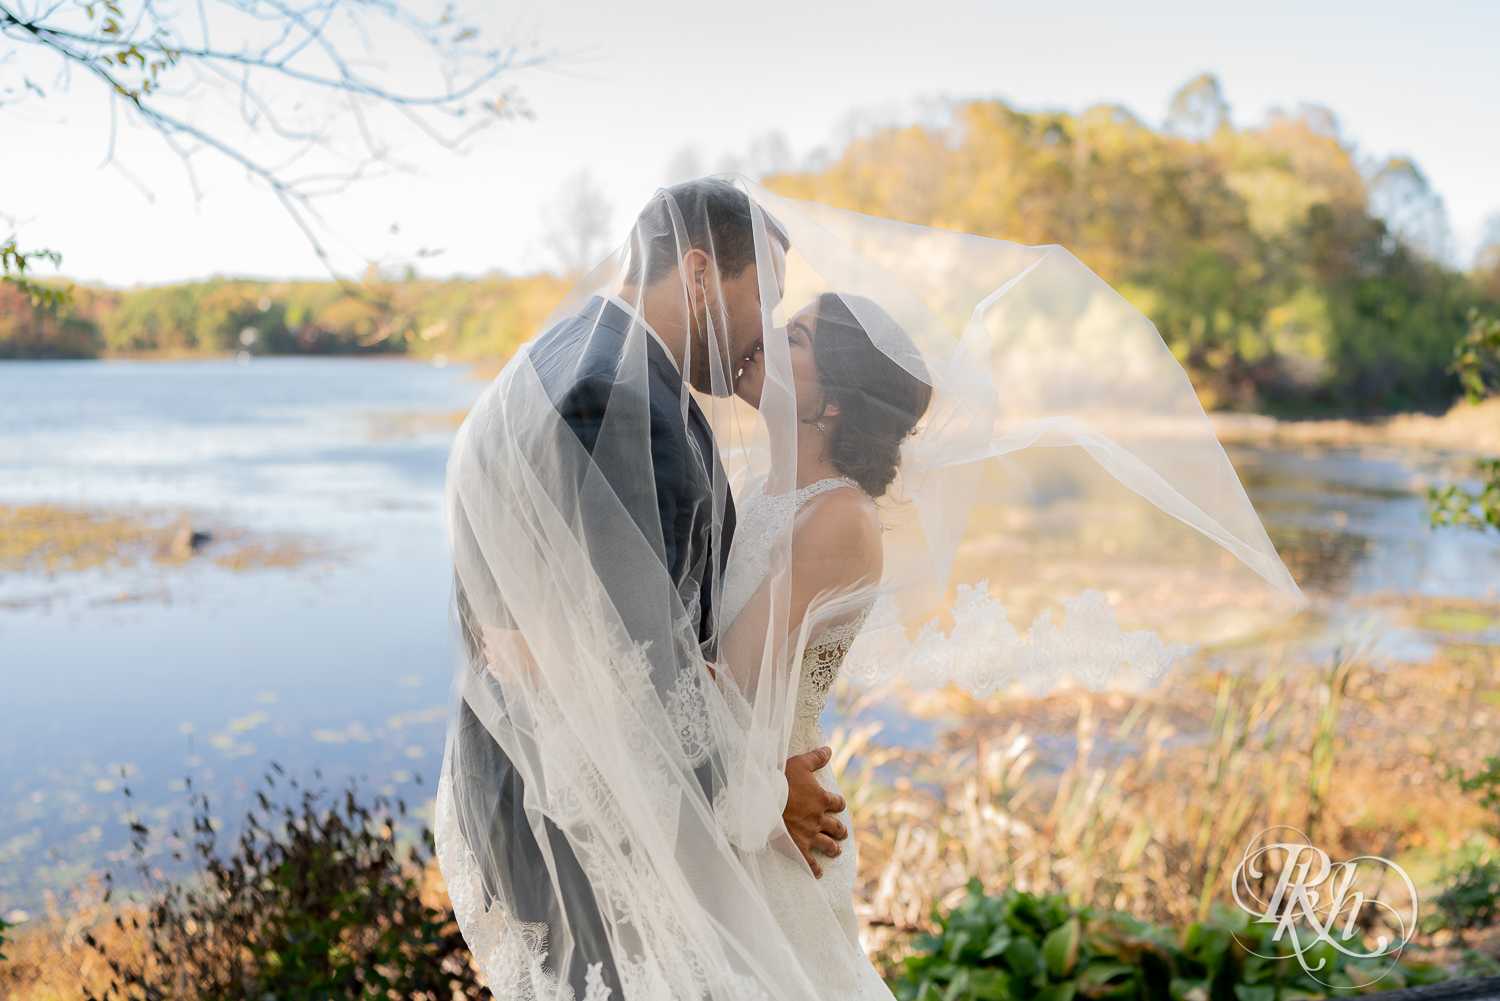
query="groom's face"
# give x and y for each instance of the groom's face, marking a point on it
(737, 322)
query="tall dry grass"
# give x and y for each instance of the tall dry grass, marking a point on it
(1148, 812)
(1164, 791)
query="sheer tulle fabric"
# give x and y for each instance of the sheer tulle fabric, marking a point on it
(609, 809)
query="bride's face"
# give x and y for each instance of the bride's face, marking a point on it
(800, 333)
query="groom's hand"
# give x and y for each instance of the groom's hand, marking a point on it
(811, 812)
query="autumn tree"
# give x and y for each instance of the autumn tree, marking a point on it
(1278, 272)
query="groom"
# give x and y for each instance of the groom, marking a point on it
(695, 262)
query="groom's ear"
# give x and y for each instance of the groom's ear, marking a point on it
(696, 268)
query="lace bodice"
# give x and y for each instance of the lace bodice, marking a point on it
(763, 520)
(820, 668)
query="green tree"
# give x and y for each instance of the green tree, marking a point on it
(1477, 364)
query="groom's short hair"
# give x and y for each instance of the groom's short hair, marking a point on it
(716, 219)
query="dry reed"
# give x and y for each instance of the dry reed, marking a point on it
(1165, 791)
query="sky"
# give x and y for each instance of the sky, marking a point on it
(635, 92)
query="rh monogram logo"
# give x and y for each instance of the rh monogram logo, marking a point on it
(1339, 903)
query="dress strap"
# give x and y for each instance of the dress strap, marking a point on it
(812, 490)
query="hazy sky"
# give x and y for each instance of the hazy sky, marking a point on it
(637, 83)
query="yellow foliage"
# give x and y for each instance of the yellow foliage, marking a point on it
(1255, 251)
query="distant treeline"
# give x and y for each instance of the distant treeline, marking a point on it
(1283, 272)
(466, 318)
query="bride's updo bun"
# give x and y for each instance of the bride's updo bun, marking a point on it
(879, 400)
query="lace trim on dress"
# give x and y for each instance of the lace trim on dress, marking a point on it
(510, 953)
(820, 668)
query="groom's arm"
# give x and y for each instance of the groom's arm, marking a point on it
(811, 813)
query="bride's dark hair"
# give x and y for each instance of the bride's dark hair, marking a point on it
(879, 399)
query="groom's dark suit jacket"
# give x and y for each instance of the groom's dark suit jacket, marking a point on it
(577, 362)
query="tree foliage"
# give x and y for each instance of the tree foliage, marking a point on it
(1258, 252)
(1477, 357)
(14, 264)
(462, 318)
(1476, 362)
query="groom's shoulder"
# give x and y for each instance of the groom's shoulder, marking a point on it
(578, 348)
(578, 362)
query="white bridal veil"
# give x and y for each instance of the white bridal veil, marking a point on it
(612, 784)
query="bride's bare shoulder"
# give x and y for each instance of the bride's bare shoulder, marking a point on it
(843, 521)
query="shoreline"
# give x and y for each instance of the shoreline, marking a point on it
(483, 368)
(1466, 427)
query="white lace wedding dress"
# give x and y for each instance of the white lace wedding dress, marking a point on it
(818, 915)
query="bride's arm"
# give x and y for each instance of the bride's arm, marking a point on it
(835, 565)
(836, 560)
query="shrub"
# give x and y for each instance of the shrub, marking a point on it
(1472, 899)
(316, 900)
(1027, 948)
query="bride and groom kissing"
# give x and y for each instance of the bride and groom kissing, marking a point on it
(638, 645)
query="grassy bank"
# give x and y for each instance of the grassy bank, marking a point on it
(1465, 428)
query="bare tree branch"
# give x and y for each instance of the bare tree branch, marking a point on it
(137, 50)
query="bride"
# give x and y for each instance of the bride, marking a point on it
(854, 406)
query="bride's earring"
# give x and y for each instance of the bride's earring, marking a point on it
(818, 424)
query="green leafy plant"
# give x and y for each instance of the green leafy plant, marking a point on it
(1476, 358)
(1452, 505)
(1476, 362)
(13, 265)
(1471, 898)
(1017, 946)
(1485, 782)
(317, 900)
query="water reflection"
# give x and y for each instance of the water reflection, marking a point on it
(1350, 522)
(206, 568)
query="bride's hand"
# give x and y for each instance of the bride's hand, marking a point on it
(811, 813)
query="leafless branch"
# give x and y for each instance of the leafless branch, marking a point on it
(136, 49)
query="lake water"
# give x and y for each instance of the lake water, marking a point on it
(310, 627)
(333, 655)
